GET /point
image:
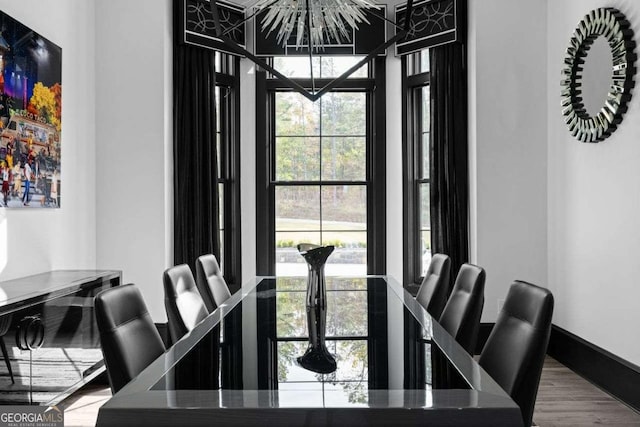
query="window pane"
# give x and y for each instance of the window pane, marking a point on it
(288, 261)
(221, 219)
(298, 208)
(424, 61)
(350, 255)
(291, 239)
(334, 66)
(344, 240)
(217, 107)
(425, 249)
(297, 158)
(296, 115)
(222, 257)
(344, 207)
(424, 172)
(418, 62)
(219, 155)
(221, 204)
(323, 67)
(218, 61)
(426, 103)
(425, 214)
(296, 66)
(344, 159)
(344, 114)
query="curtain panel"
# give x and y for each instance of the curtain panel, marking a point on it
(449, 172)
(196, 218)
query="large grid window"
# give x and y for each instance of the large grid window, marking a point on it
(320, 180)
(416, 165)
(319, 163)
(228, 140)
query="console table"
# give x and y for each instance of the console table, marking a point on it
(48, 335)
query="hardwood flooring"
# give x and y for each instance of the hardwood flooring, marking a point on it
(81, 408)
(564, 400)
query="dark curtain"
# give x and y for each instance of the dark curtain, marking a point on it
(449, 176)
(196, 220)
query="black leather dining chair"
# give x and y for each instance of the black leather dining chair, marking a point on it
(182, 300)
(435, 286)
(213, 289)
(128, 337)
(514, 352)
(461, 315)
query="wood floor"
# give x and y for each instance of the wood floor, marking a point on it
(564, 399)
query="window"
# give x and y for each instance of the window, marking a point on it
(228, 147)
(416, 117)
(317, 170)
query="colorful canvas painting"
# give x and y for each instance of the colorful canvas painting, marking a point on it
(30, 117)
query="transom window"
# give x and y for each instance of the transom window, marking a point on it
(323, 66)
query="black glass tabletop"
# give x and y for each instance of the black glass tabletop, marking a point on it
(359, 320)
(389, 354)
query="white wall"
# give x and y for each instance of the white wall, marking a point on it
(395, 256)
(134, 143)
(507, 141)
(247, 164)
(33, 241)
(594, 200)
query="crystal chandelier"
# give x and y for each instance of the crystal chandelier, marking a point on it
(323, 19)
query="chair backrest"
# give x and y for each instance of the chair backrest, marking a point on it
(515, 350)
(435, 286)
(461, 315)
(211, 284)
(129, 339)
(184, 305)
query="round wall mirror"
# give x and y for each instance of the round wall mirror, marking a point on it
(598, 75)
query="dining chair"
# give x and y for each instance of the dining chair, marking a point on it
(182, 300)
(515, 350)
(128, 336)
(461, 315)
(213, 289)
(435, 286)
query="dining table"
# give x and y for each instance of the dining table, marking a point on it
(395, 365)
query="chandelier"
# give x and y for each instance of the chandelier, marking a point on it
(320, 20)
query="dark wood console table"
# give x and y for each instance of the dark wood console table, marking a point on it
(48, 336)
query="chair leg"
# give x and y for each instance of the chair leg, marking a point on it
(6, 359)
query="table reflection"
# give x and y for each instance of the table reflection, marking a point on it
(360, 317)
